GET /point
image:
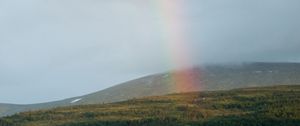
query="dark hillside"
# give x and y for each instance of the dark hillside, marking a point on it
(264, 106)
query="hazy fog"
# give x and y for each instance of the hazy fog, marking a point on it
(54, 49)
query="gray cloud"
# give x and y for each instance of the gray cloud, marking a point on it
(53, 49)
(235, 31)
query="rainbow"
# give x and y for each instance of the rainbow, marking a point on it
(173, 24)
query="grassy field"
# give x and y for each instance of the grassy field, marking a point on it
(263, 106)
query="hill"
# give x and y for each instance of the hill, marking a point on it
(266, 106)
(213, 77)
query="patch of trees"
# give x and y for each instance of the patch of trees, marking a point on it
(4, 122)
(142, 122)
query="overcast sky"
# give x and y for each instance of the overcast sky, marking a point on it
(55, 49)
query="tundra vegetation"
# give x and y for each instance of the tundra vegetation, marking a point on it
(261, 106)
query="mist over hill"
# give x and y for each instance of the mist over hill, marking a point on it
(95, 44)
(210, 77)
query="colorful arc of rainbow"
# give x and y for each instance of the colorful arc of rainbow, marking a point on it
(173, 29)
